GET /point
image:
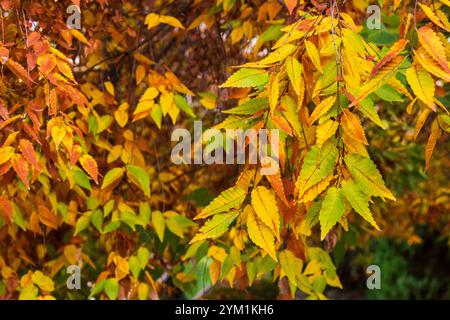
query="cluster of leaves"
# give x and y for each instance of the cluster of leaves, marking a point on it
(86, 117)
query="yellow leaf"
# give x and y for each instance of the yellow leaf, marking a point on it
(430, 64)
(294, 71)
(58, 133)
(77, 34)
(325, 131)
(121, 117)
(422, 85)
(432, 139)
(5, 154)
(313, 54)
(311, 193)
(274, 91)
(321, 109)
(433, 45)
(143, 290)
(159, 224)
(266, 209)
(109, 87)
(276, 56)
(440, 20)
(259, 233)
(42, 281)
(153, 19)
(122, 268)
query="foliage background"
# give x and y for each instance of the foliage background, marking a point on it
(85, 171)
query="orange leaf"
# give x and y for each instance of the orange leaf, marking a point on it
(432, 139)
(20, 166)
(27, 150)
(433, 45)
(47, 217)
(392, 53)
(275, 181)
(19, 71)
(90, 166)
(352, 126)
(291, 4)
(6, 209)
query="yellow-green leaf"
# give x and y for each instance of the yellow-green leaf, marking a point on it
(228, 199)
(332, 210)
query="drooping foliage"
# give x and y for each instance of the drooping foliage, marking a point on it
(86, 117)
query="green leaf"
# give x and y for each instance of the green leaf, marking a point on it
(112, 288)
(387, 93)
(216, 226)
(291, 114)
(82, 223)
(291, 266)
(249, 107)
(247, 77)
(140, 178)
(367, 176)
(156, 115)
(183, 105)
(97, 219)
(368, 109)
(134, 266)
(144, 212)
(18, 217)
(80, 178)
(143, 256)
(228, 199)
(159, 224)
(108, 207)
(251, 272)
(332, 210)
(112, 176)
(97, 288)
(113, 225)
(177, 224)
(358, 200)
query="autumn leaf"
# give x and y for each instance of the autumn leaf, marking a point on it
(422, 85)
(366, 174)
(228, 199)
(112, 176)
(332, 210)
(260, 233)
(358, 200)
(264, 205)
(391, 54)
(246, 77)
(321, 109)
(90, 166)
(216, 226)
(431, 144)
(433, 45)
